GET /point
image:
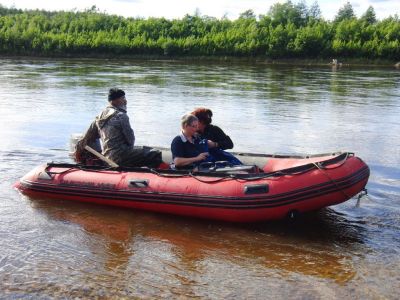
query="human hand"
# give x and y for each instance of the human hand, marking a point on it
(210, 144)
(202, 156)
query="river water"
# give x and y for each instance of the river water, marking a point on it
(56, 249)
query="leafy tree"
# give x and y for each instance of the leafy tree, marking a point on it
(302, 10)
(284, 13)
(369, 16)
(248, 14)
(281, 41)
(311, 41)
(345, 13)
(348, 30)
(287, 30)
(314, 12)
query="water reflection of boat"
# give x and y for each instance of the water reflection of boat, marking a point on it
(286, 185)
(274, 248)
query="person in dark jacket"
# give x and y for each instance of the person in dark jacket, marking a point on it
(113, 128)
(216, 137)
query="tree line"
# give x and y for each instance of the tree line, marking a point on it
(287, 30)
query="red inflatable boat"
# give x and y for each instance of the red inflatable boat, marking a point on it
(283, 185)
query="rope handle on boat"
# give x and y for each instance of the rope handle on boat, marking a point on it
(322, 168)
(319, 167)
(190, 175)
(239, 177)
(346, 156)
(212, 181)
(222, 176)
(50, 173)
(289, 171)
(71, 167)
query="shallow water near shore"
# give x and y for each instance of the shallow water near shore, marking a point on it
(60, 249)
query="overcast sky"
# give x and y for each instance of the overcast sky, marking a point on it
(171, 9)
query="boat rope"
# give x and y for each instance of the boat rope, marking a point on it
(322, 169)
(211, 181)
(346, 156)
(190, 174)
(50, 173)
(216, 177)
(295, 170)
(71, 167)
(239, 177)
(361, 194)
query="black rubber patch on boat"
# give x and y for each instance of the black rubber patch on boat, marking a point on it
(256, 189)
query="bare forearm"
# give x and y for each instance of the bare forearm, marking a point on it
(184, 161)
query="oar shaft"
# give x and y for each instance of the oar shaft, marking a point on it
(102, 157)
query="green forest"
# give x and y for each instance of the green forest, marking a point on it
(287, 30)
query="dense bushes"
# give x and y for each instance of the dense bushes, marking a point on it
(286, 31)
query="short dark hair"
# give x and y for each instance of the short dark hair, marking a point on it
(204, 115)
(115, 93)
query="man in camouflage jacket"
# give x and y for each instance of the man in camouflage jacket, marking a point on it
(112, 126)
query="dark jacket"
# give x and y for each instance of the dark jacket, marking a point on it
(216, 134)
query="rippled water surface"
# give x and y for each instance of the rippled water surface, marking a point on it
(58, 249)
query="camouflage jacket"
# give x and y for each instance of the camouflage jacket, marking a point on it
(116, 134)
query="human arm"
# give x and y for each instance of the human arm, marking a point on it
(185, 153)
(211, 144)
(127, 129)
(185, 161)
(218, 138)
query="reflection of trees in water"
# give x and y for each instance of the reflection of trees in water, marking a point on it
(311, 246)
(362, 85)
(301, 84)
(276, 83)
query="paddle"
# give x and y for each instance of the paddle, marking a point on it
(102, 157)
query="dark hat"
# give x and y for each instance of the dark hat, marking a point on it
(115, 93)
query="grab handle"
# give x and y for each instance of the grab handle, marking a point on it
(139, 183)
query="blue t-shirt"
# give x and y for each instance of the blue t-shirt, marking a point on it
(181, 147)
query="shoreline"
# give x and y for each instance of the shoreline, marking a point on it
(312, 62)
